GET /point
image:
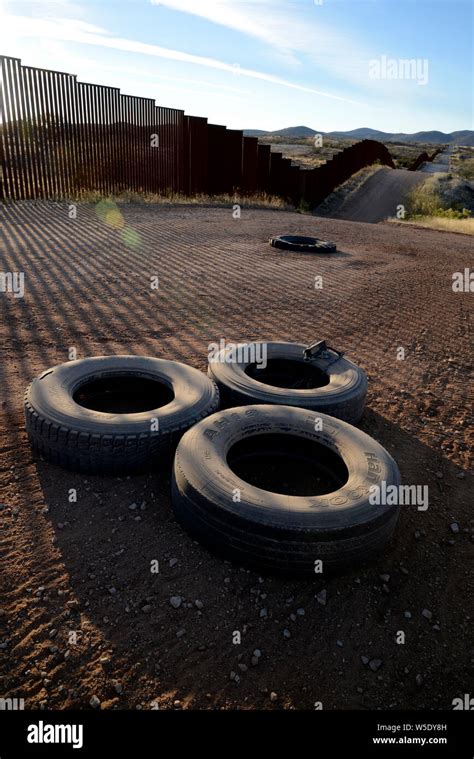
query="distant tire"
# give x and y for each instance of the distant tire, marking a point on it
(336, 387)
(115, 414)
(302, 244)
(276, 531)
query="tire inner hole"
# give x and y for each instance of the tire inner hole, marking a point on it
(127, 394)
(287, 464)
(299, 240)
(282, 372)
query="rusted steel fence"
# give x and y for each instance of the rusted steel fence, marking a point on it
(60, 138)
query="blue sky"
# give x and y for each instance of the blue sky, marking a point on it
(264, 64)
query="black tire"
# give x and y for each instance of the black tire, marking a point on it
(303, 244)
(126, 438)
(343, 396)
(270, 531)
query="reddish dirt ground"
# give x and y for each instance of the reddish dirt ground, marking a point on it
(84, 567)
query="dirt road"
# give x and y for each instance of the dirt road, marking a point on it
(81, 612)
(378, 197)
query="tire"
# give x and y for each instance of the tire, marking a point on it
(274, 532)
(343, 396)
(95, 441)
(302, 244)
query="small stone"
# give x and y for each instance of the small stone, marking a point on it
(94, 702)
(118, 687)
(407, 614)
(384, 578)
(133, 506)
(176, 601)
(180, 633)
(53, 632)
(426, 614)
(286, 633)
(364, 659)
(177, 704)
(439, 475)
(419, 680)
(257, 653)
(254, 661)
(321, 597)
(300, 612)
(273, 696)
(242, 667)
(199, 604)
(375, 664)
(263, 613)
(67, 653)
(53, 649)
(146, 609)
(173, 562)
(460, 475)
(339, 643)
(454, 527)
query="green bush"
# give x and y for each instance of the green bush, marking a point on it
(423, 200)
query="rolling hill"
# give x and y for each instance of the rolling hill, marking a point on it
(462, 137)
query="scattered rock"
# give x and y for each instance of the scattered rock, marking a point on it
(176, 601)
(364, 659)
(321, 597)
(454, 527)
(286, 633)
(300, 612)
(173, 562)
(273, 696)
(199, 604)
(180, 633)
(384, 578)
(94, 702)
(419, 680)
(263, 613)
(375, 664)
(407, 614)
(133, 506)
(426, 614)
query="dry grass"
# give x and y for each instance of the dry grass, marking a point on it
(258, 200)
(464, 226)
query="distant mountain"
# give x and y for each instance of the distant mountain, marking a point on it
(298, 131)
(463, 137)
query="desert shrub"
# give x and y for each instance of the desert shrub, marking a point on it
(423, 200)
(466, 169)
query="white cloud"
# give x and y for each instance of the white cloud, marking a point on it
(292, 27)
(73, 30)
